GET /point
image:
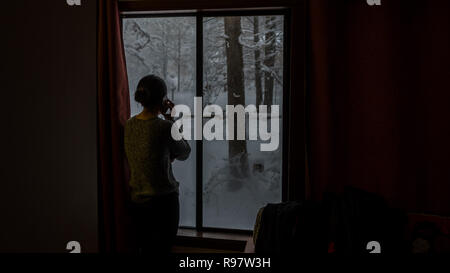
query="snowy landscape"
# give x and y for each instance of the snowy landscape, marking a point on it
(242, 64)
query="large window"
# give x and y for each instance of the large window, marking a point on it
(226, 59)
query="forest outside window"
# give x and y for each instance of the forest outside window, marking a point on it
(225, 59)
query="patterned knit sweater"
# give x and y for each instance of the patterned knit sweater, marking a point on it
(150, 150)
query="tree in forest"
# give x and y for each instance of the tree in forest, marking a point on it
(161, 46)
(214, 70)
(179, 60)
(270, 53)
(237, 149)
(256, 39)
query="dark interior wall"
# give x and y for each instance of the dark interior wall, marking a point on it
(379, 112)
(48, 164)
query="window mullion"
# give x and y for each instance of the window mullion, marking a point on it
(199, 143)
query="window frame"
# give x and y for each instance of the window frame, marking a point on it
(130, 11)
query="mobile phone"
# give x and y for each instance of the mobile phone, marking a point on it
(167, 104)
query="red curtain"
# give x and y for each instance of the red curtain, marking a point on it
(113, 112)
(379, 100)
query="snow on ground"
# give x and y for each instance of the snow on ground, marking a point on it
(236, 207)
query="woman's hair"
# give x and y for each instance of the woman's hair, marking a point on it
(151, 91)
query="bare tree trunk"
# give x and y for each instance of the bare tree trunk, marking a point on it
(165, 57)
(269, 60)
(164, 53)
(258, 87)
(179, 61)
(237, 149)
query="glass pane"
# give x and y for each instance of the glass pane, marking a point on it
(166, 47)
(243, 65)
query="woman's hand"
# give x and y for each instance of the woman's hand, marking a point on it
(167, 105)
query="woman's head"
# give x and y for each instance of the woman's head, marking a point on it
(150, 92)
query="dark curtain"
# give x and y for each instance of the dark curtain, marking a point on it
(378, 100)
(113, 111)
(295, 145)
